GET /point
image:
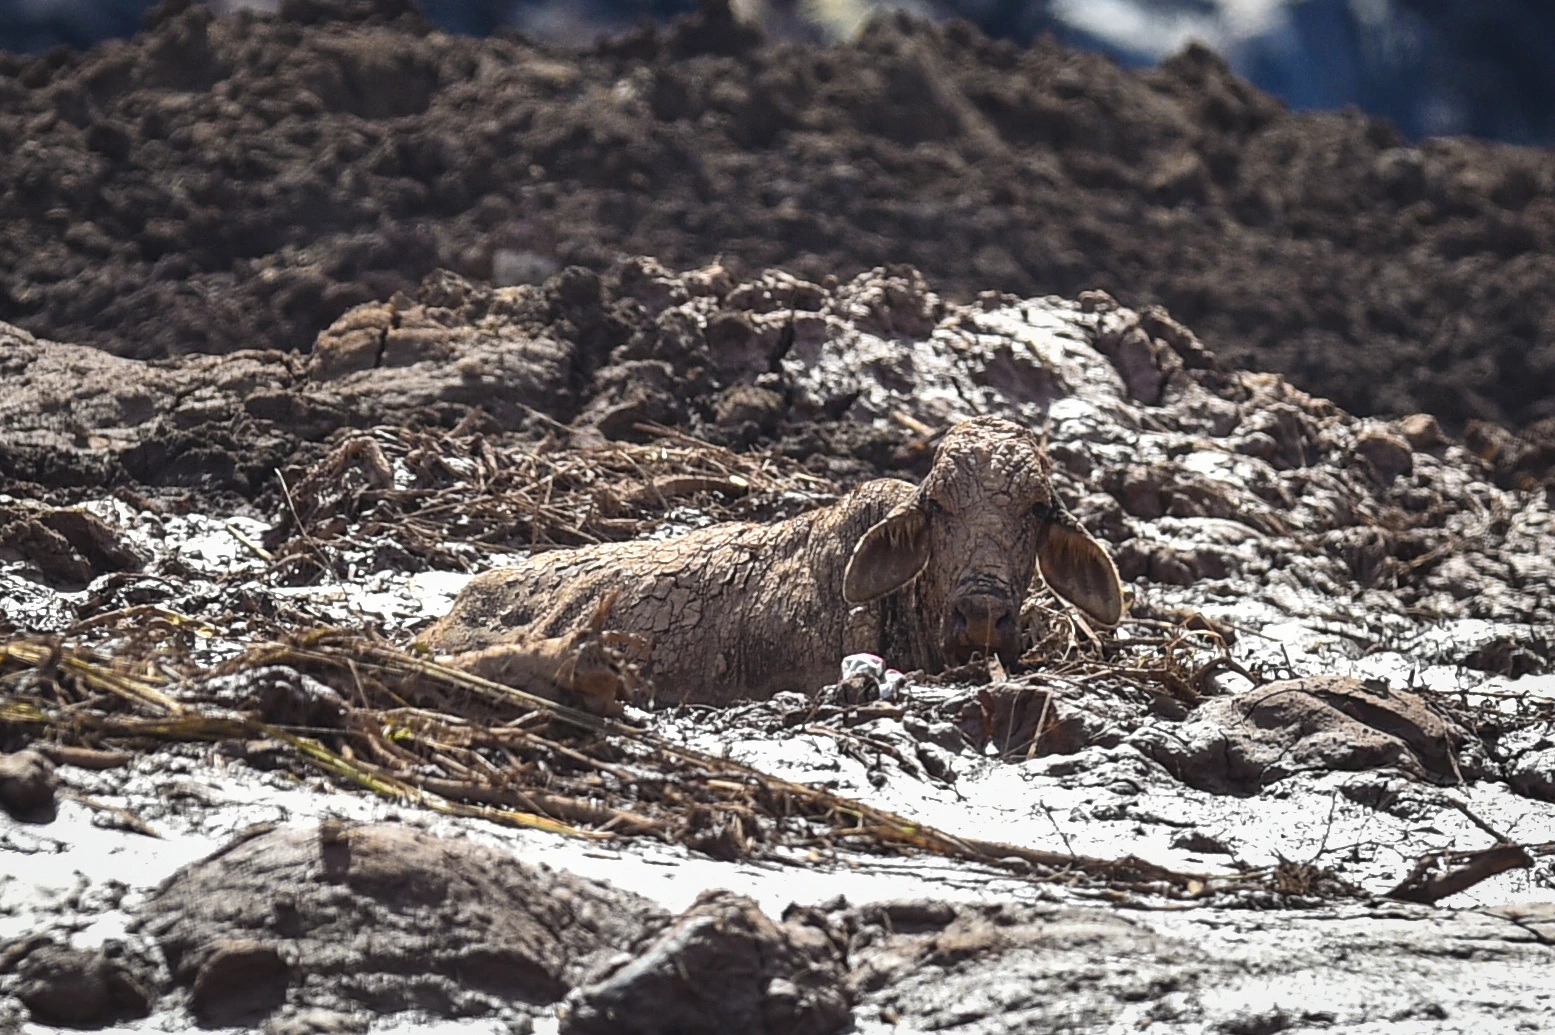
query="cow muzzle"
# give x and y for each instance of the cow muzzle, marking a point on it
(981, 623)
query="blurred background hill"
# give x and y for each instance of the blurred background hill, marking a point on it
(1432, 67)
(229, 180)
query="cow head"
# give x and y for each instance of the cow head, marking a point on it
(977, 527)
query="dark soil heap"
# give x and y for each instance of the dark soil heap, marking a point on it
(241, 182)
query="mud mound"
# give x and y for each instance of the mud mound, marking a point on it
(1234, 484)
(992, 971)
(1246, 741)
(1328, 689)
(217, 185)
(345, 911)
(770, 979)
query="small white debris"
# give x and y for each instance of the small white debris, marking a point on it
(888, 680)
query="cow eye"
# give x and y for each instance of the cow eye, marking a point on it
(1043, 511)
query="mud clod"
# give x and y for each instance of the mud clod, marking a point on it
(1241, 743)
(723, 965)
(68, 546)
(1390, 455)
(27, 785)
(80, 988)
(357, 906)
(239, 983)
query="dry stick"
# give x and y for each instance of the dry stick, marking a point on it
(86, 758)
(1472, 816)
(574, 810)
(259, 551)
(1058, 829)
(420, 721)
(880, 746)
(1477, 866)
(167, 615)
(1036, 736)
(124, 816)
(312, 542)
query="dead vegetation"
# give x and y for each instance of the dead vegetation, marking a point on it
(409, 729)
(448, 498)
(365, 713)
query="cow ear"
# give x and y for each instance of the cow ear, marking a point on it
(1077, 568)
(888, 556)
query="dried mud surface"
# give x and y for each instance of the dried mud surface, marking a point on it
(238, 183)
(1307, 784)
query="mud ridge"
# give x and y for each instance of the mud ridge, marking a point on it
(239, 182)
(1320, 748)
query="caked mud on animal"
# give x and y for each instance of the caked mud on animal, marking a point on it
(925, 575)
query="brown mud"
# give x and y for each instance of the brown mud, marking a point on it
(255, 435)
(1307, 783)
(237, 183)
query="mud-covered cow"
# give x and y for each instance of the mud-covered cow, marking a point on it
(923, 575)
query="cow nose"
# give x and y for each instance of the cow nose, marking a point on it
(983, 623)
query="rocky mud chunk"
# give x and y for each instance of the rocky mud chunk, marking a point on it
(452, 348)
(356, 908)
(80, 988)
(749, 411)
(1390, 455)
(1024, 721)
(722, 966)
(1523, 459)
(225, 422)
(74, 416)
(1528, 757)
(1533, 774)
(1147, 364)
(1422, 431)
(241, 981)
(630, 394)
(1246, 741)
(66, 546)
(27, 785)
(1003, 969)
